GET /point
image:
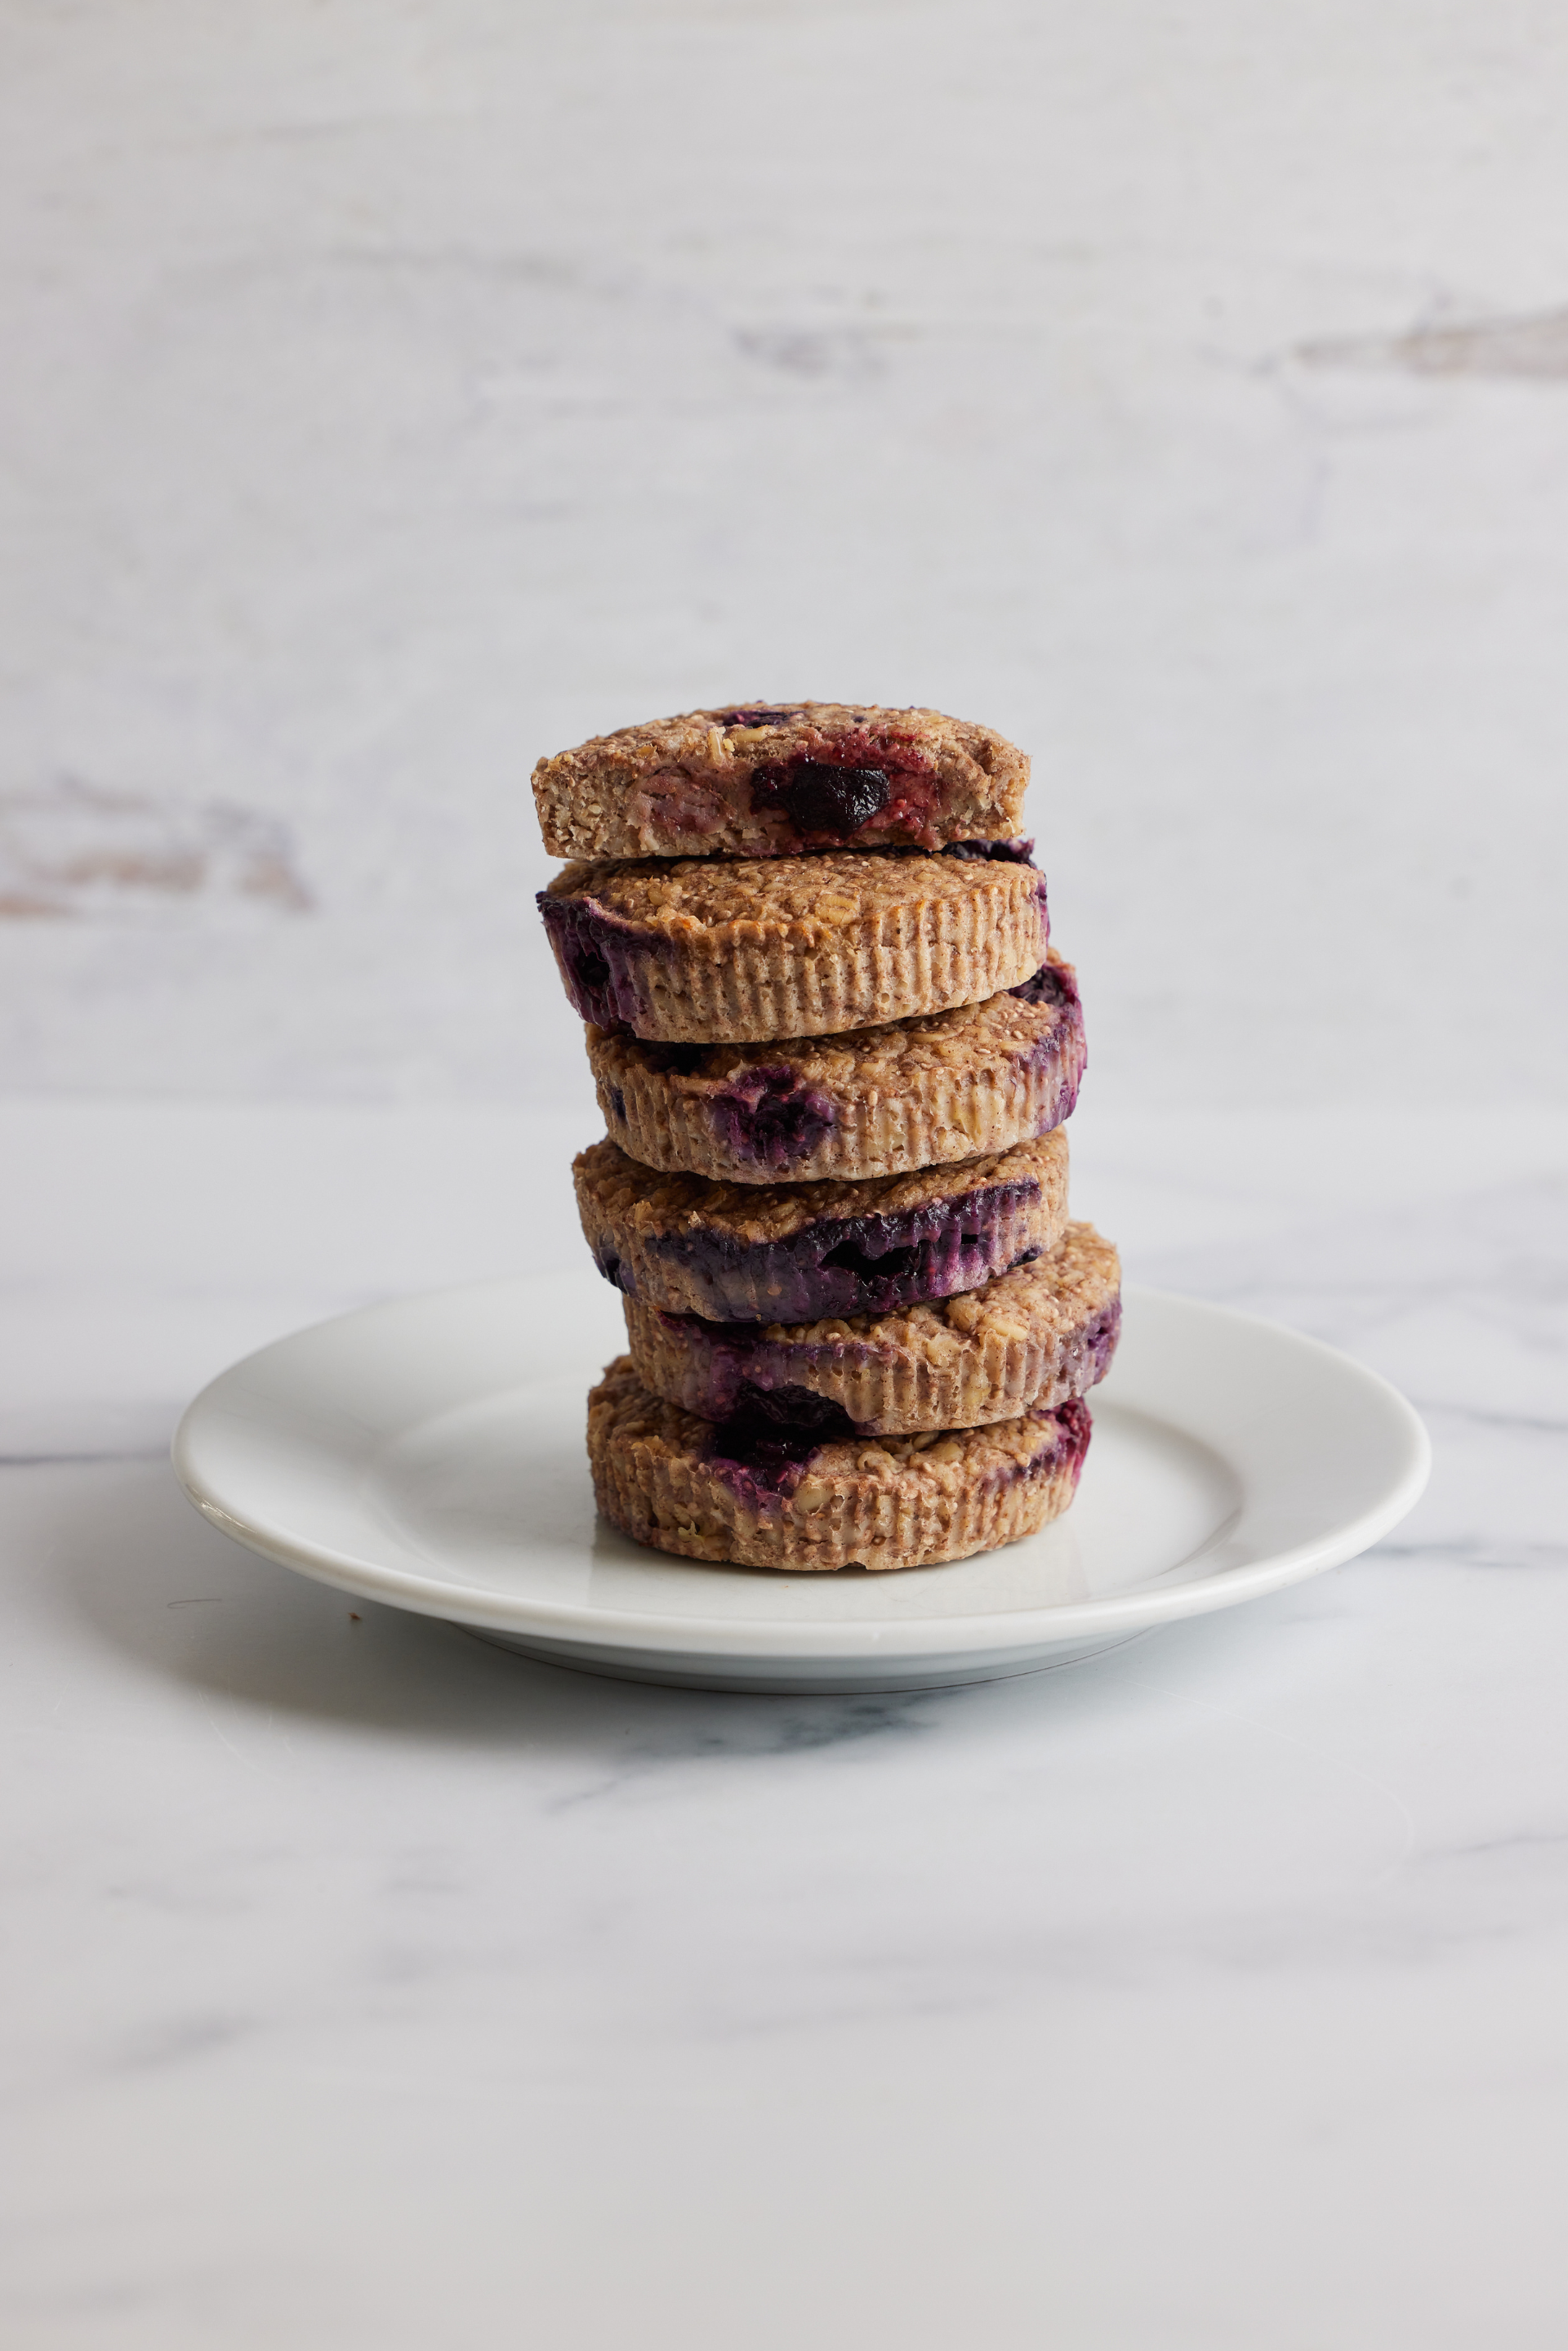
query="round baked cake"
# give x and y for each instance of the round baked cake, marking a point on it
(769, 779)
(759, 1496)
(706, 951)
(796, 1252)
(1037, 1336)
(875, 1102)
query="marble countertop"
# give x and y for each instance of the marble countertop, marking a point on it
(369, 1987)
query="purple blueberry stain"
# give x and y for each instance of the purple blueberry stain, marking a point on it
(761, 1460)
(609, 1265)
(672, 1061)
(1064, 1440)
(597, 954)
(769, 1119)
(1016, 852)
(1058, 1055)
(791, 1407)
(887, 1265)
(1071, 1428)
(853, 1264)
(1052, 984)
(1060, 1106)
(1097, 1345)
(744, 1374)
(735, 1372)
(760, 1448)
(819, 796)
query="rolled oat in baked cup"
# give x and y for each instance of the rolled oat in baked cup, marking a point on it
(771, 780)
(872, 1101)
(707, 951)
(797, 1252)
(1034, 1337)
(757, 1496)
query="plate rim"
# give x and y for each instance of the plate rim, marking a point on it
(999, 1632)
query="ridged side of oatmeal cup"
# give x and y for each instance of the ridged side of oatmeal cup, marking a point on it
(1037, 1336)
(796, 1252)
(762, 779)
(875, 1102)
(765, 1498)
(706, 951)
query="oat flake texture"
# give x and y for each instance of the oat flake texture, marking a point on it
(664, 1477)
(702, 951)
(767, 779)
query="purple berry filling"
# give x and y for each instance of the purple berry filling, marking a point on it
(1059, 1055)
(762, 1461)
(1099, 1341)
(737, 1363)
(739, 1369)
(598, 956)
(760, 1452)
(671, 1060)
(1052, 984)
(770, 1119)
(849, 1265)
(1016, 852)
(1073, 1428)
(819, 797)
(794, 1409)
(831, 793)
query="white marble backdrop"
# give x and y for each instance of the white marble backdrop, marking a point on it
(393, 393)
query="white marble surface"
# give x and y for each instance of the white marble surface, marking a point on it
(370, 1988)
(392, 395)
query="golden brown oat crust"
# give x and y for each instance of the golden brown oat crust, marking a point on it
(875, 1102)
(706, 783)
(874, 1502)
(673, 1239)
(1033, 1337)
(700, 951)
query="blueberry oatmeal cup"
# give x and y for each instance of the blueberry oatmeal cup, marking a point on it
(1037, 1336)
(797, 1252)
(767, 779)
(707, 951)
(756, 1495)
(880, 1101)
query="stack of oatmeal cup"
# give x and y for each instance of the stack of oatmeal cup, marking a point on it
(834, 1052)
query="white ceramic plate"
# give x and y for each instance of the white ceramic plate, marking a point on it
(429, 1454)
